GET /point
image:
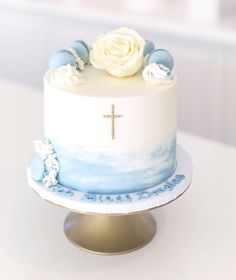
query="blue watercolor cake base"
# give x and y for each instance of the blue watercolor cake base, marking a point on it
(126, 203)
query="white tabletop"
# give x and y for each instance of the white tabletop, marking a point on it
(196, 237)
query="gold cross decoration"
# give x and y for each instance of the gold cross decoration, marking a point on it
(113, 117)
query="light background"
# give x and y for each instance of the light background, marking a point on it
(200, 34)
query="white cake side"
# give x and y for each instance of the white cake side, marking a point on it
(112, 135)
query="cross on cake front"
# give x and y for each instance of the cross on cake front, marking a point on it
(109, 116)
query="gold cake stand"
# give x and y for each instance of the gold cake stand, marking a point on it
(114, 234)
(111, 232)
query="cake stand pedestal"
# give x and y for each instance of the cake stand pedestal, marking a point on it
(116, 224)
(106, 234)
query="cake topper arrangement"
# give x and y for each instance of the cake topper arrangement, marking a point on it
(121, 53)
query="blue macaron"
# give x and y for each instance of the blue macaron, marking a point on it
(148, 47)
(84, 43)
(161, 56)
(36, 167)
(61, 58)
(81, 49)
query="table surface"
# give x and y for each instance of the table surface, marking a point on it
(196, 237)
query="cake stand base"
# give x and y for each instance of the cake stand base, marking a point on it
(110, 234)
(112, 224)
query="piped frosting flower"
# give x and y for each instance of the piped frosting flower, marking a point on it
(44, 148)
(50, 179)
(119, 52)
(157, 74)
(66, 77)
(51, 164)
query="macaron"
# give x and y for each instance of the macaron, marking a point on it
(81, 49)
(161, 56)
(84, 43)
(148, 47)
(61, 58)
(36, 167)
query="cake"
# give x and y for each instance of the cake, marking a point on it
(109, 116)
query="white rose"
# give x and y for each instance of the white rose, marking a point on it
(157, 74)
(119, 52)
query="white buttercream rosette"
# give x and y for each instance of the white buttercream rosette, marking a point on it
(66, 76)
(119, 52)
(157, 74)
(47, 153)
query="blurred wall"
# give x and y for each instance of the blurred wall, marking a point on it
(205, 68)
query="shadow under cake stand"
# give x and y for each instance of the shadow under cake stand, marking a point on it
(116, 224)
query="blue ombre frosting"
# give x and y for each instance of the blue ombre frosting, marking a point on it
(102, 174)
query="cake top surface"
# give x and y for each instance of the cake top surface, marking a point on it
(102, 85)
(118, 59)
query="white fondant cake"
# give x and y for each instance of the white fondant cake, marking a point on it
(112, 133)
(97, 153)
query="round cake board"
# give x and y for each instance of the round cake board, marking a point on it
(121, 204)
